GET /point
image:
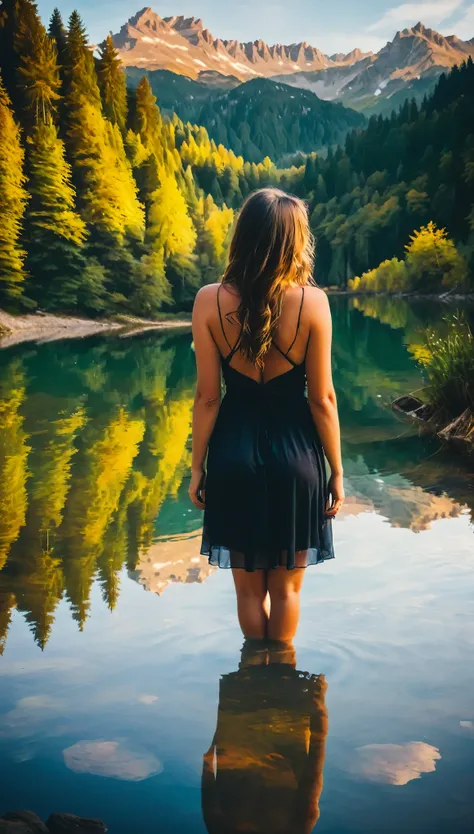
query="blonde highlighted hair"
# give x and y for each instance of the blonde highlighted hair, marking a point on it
(272, 248)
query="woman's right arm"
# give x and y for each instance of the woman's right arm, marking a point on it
(321, 393)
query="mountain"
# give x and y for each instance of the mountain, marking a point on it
(180, 94)
(399, 174)
(408, 66)
(184, 46)
(257, 119)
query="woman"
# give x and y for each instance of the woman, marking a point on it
(264, 490)
(264, 769)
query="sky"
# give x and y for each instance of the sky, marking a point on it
(337, 26)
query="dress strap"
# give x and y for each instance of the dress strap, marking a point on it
(286, 352)
(233, 348)
(220, 317)
(298, 323)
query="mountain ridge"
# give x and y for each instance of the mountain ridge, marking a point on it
(407, 65)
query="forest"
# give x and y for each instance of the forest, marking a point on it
(110, 207)
(106, 206)
(257, 119)
(399, 174)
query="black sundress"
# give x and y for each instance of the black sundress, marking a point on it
(266, 486)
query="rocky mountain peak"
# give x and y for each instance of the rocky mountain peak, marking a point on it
(184, 46)
(145, 17)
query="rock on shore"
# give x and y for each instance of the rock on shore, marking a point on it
(25, 822)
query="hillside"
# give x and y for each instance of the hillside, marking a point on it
(262, 118)
(257, 119)
(180, 94)
(395, 176)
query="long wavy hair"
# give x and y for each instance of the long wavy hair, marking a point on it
(271, 248)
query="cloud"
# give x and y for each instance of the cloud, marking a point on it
(394, 764)
(331, 42)
(430, 13)
(111, 758)
(464, 26)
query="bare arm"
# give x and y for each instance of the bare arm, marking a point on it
(208, 389)
(321, 393)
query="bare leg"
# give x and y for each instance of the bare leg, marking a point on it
(252, 602)
(284, 587)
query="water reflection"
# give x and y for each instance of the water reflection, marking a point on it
(264, 769)
(95, 453)
(172, 559)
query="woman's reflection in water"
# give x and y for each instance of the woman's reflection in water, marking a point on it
(263, 773)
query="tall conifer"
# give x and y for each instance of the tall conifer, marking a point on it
(112, 83)
(107, 190)
(13, 199)
(55, 232)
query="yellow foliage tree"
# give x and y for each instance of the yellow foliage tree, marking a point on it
(13, 458)
(433, 261)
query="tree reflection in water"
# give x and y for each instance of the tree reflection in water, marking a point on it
(264, 769)
(95, 452)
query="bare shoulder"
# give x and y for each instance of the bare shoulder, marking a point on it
(317, 302)
(205, 298)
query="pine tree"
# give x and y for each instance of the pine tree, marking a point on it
(38, 76)
(55, 231)
(19, 21)
(147, 119)
(58, 33)
(76, 40)
(13, 199)
(112, 83)
(102, 173)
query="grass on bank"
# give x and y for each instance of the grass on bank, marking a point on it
(448, 361)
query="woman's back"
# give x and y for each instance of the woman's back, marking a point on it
(290, 341)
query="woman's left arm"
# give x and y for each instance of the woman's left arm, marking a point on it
(208, 388)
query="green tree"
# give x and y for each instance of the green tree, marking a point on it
(13, 199)
(58, 33)
(112, 83)
(56, 232)
(107, 192)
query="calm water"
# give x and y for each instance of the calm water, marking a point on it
(123, 691)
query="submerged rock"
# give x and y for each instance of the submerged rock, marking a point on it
(70, 824)
(26, 822)
(22, 822)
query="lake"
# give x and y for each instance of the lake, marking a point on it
(125, 691)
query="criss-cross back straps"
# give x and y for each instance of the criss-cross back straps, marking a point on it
(233, 348)
(285, 353)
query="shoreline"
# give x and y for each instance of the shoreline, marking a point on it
(48, 327)
(445, 297)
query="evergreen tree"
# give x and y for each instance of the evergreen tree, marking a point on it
(13, 199)
(39, 76)
(56, 232)
(58, 33)
(112, 84)
(102, 174)
(147, 120)
(19, 22)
